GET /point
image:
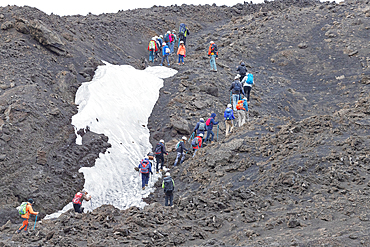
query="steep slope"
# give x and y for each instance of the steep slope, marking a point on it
(296, 174)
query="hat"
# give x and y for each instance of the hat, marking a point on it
(184, 138)
(181, 42)
(229, 105)
(174, 31)
(30, 200)
(153, 38)
(168, 31)
(237, 77)
(164, 43)
(201, 134)
(161, 141)
(150, 154)
(167, 174)
(211, 42)
(161, 36)
(201, 119)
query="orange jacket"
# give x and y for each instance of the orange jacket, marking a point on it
(29, 211)
(210, 51)
(181, 50)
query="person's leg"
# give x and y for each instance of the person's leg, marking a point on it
(248, 116)
(232, 126)
(142, 180)
(183, 157)
(157, 159)
(166, 198)
(248, 92)
(242, 117)
(239, 118)
(168, 62)
(227, 127)
(211, 62)
(213, 134)
(235, 101)
(177, 158)
(146, 179)
(195, 151)
(207, 137)
(171, 199)
(214, 62)
(182, 59)
(24, 225)
(162, 161)
(179, 58)
(162, 60)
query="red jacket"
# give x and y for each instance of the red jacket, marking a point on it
(199, 142)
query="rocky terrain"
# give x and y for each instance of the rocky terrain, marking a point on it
(295, 175)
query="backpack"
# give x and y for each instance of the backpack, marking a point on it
(214, 48)
(144, 166)
(151, 45)
(77, 198)
(173, 37)
(202, 126)
(208, 122)
(228, 114)
(168, 185)
(195, 142)
(249, 79)
(240, 105)
(167, 38)
(22, 208)
(237, 86)
(182, 30)
(168, 50)
(158, 149)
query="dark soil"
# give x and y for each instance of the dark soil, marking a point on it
(295, 175)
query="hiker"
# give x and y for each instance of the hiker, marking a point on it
(242, 70)
(168, 185)
(200, 127)
(196, 143)
(77, 200)
(183, 32)
(248, 82)
(165, 53)
(167, 38)
(159, 151)
(229, 117)
(236, 89)
(181, 52)
(145, 167)
(174, 39)
(242, 110)
(152, 48)
(213, 53)
(210, 122)
(25, 210)
(180, 149)
(159, 45)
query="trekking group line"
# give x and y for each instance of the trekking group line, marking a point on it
(163, 46)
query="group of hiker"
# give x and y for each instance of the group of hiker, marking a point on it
(164, 45)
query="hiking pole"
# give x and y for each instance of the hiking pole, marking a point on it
(231, 94)
(34, 226)
(217, 132)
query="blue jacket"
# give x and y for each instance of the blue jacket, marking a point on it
(181, 147)
(229, 112)
(164, 50)
(197, 128)
(160, 42)
(148, 168)
(212, 122)
(245, 104)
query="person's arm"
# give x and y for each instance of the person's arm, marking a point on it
(196, 127)
(232, 86)
(30, 210)
(86, 198)
(163, 184)
(173, 182)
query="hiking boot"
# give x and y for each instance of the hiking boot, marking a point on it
(144, 188)
(161, 170)
(179, 63)
(212, 142)
(17, 231)
(157, 172)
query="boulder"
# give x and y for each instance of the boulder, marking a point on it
(46, 37)
(181, 125)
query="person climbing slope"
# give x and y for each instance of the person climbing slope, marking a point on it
(168, 186)
(242, 110)
(181, 52)
(229, 117)
(236, 89)
(159, 152)
(25, 209)
(174, 39)
(200, 127)
(152, 48)
(180, 149)
(247, 83)
(242, 70)
(213, 53)
(210, 122)
(196, 143)
(165, 53)
(145, 167)
(183, 32)
(77, 200)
